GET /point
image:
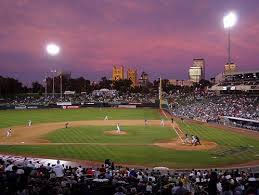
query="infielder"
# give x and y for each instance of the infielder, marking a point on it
(106, 118)
(9, 132)
(162, 122)
(66, 124)
(29, 123)
(145, 122)
(118, 128)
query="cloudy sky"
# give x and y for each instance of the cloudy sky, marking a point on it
(157, 36)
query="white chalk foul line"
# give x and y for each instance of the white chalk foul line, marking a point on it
(173, 127)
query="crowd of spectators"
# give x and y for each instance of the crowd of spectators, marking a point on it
(199, 106)
(82, 99)
(211, 107)
(26, 177)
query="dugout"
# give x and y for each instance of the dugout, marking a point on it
(241, 122)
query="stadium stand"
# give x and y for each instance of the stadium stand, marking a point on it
(238, 82)
(25, 176)
(211, 108)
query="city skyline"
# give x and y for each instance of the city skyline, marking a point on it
(158, 37)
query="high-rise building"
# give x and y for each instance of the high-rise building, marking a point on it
(200, 62)
(230, 68)
(195, 74)
(133, 76)
(197, 70)
(143, 81)
(117, 73)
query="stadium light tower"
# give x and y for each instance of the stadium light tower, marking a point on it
(53, 50)
(229, 21)
(53, 82)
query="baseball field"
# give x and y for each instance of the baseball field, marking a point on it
(91, 138)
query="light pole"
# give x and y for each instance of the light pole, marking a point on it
(53, 50)
(46, 85)
(61, 85)
(229, 21)
(53, 82)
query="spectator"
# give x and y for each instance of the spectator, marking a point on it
(58, 169)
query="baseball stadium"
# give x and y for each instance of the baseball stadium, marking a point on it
(129, 97)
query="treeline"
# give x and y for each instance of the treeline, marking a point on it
(10, 86)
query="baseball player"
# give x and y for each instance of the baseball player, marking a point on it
(118, 128)
(162, 123)
(186, 138)
(145, 122)
(29, 123)
(66, 124)
(9, 132)
(106, 118)
(193, 140)
(198, 140)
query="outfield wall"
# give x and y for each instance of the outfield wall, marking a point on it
(82, 105)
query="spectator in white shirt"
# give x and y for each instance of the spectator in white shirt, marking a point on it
(58, 169)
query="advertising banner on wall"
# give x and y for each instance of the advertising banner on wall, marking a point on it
(64, 103)
(70, 107)
(20, 107)
(127, 106)
(32, 107)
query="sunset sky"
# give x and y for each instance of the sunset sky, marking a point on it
(157, 36)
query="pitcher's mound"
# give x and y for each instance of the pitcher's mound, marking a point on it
(178, 145)
(114, 132)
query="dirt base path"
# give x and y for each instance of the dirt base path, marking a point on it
(178, 145)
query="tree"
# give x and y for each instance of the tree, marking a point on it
(37, 87)
(205, 83)
(105, 83)
(122, 85)
(10, 87)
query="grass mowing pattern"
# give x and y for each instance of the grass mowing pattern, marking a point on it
(138, 155)
(20, 117)
(96, 134)
(231, 144)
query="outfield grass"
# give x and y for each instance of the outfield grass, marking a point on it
(136, 155)
(96, 134)
(21, 117)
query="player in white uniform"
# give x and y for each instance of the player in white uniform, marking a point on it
(106, 118)
(162, 122)
(193, 140)
(29, 123)
(145, 122)
(118, 128)
(186, 140)
(9, 132)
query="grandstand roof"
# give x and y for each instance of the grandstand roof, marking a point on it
(244, 72)
(242, 119)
